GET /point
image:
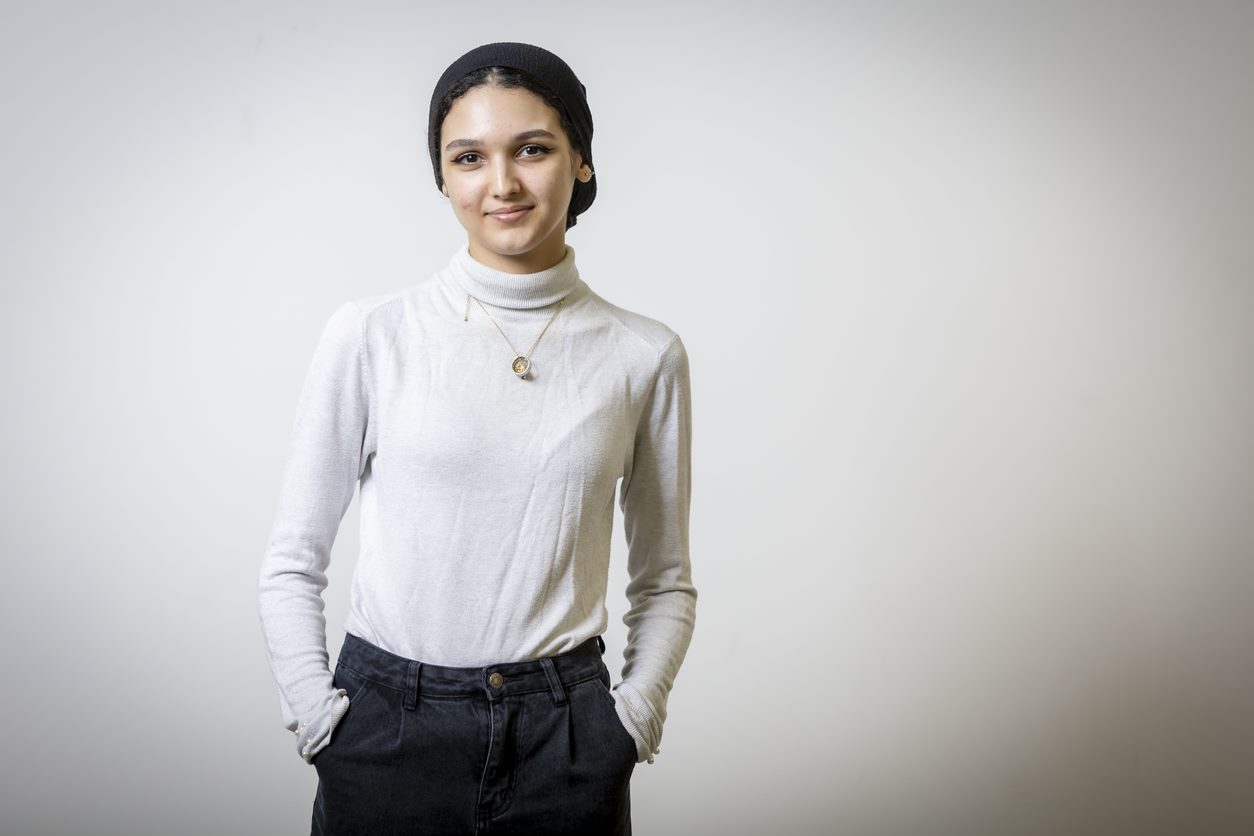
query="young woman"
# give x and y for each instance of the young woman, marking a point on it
(488, 414)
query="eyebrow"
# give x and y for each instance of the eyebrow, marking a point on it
(470, 143)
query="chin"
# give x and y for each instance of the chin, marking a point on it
(509, 248)
(513, 241)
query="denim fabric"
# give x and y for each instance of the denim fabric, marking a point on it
(513, 748)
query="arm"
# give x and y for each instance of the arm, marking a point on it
(655, 498)
(331, 442)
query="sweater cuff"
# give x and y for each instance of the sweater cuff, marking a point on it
(314, 735)
(640, 721)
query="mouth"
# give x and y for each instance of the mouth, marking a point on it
(511, 213)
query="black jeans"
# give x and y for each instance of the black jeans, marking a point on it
(517, 747)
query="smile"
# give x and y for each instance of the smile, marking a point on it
(510, 216)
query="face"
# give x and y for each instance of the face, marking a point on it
(505, 149)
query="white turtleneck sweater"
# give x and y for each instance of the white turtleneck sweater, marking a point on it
(486, 501)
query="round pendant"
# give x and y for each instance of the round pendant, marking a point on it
(521, 365)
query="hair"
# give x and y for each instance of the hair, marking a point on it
(504, 77)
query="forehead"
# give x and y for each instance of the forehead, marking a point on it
(487, 110)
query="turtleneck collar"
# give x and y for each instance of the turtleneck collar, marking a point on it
(514, 290)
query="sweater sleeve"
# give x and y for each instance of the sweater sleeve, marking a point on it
(655, 498)
(330, 445)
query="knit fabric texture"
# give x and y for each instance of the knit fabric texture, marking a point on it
(487, 501)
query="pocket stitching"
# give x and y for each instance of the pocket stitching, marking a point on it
(354, 697)
(635, 753)
(605, 691)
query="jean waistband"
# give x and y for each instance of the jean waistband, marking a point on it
(495, 681)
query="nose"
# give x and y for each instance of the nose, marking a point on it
(504, 178)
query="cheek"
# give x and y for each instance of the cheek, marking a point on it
(464, 201)
(552, 187)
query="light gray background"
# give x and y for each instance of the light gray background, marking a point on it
(967, 295)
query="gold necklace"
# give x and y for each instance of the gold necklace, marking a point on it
(521, 363)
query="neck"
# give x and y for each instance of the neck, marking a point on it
(506, 289)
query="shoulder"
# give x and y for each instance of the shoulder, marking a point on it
(376, 310)
(367, 319)
(654, 336)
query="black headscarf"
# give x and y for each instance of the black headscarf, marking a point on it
(548, 69)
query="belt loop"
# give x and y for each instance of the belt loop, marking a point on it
(555, 683)
(411, 685)
(601, 644)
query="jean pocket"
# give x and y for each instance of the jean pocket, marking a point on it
(602, 686)
(355, 685)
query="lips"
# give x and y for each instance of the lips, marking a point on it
(510, 213)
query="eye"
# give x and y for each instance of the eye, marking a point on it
(463, 158)
(538, 150)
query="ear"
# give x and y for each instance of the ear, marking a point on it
(582, 173)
